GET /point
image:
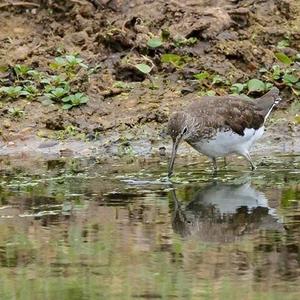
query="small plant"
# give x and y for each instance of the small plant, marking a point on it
(122, 85)
(21, 71)
(31, 91)
(57, 94)
(68, 64)
(55, 80)
(209, 80)
(63, 84)
(283, 44)
(74, 100)
(16, 112)
(185, 42)
(174, 59)
(69, 131)
(13, 92)
(289, 77)
(201, 76)
(253, 85)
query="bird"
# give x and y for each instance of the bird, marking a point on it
(221, 211)
(218, 126)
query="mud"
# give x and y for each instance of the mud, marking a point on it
(234, 39)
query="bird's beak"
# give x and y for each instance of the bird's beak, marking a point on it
(173, 155)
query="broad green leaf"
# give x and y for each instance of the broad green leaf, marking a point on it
(67, 106)
(154, 43)
(201, 76)
(283, 58)
(269, 85)
(143, 68)
(256, 85)
(290, 78)
(174, 59)
(237, 88)
(66, 99)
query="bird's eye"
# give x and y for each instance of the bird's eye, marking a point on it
(184, 130)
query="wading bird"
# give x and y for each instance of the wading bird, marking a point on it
(217, 126)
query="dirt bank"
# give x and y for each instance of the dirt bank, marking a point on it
(128, 109)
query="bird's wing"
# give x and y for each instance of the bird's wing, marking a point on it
(229, 112)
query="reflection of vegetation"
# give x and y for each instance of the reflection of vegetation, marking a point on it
(289, 197)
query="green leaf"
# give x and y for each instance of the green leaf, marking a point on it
(237, 88)
(256, 85)
(210, 93)
(154, 43)
(67, 106)
(185, 42)
(283, 58)
(276, 72)
(269, 85)
(60, 60)
(66, 99)
(218, 79)
(290, 78)
(201, 76)
(174, 59)
(283, 44)
(143, 68)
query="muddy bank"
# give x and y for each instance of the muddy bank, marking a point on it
(127, 109)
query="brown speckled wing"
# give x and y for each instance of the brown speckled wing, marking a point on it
(225, 113)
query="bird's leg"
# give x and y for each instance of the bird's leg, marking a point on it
(214, 160)
(225, 162)
(248, 157)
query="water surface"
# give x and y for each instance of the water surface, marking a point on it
(79, 229)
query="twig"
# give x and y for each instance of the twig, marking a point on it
(20, 3)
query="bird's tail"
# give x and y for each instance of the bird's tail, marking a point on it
(266, 102)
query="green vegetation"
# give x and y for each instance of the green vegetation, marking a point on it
(177, 61)
(154, 43)
(281, 76)
(54, 86)
(74, 100)
(13, 92)
(16, 112)
(144, 68)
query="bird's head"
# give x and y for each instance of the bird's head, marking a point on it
(178, 130)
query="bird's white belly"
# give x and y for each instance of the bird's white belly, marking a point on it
(227, 142)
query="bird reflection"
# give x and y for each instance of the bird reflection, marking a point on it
(223, 212)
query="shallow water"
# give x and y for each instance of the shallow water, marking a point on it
(78, 229)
